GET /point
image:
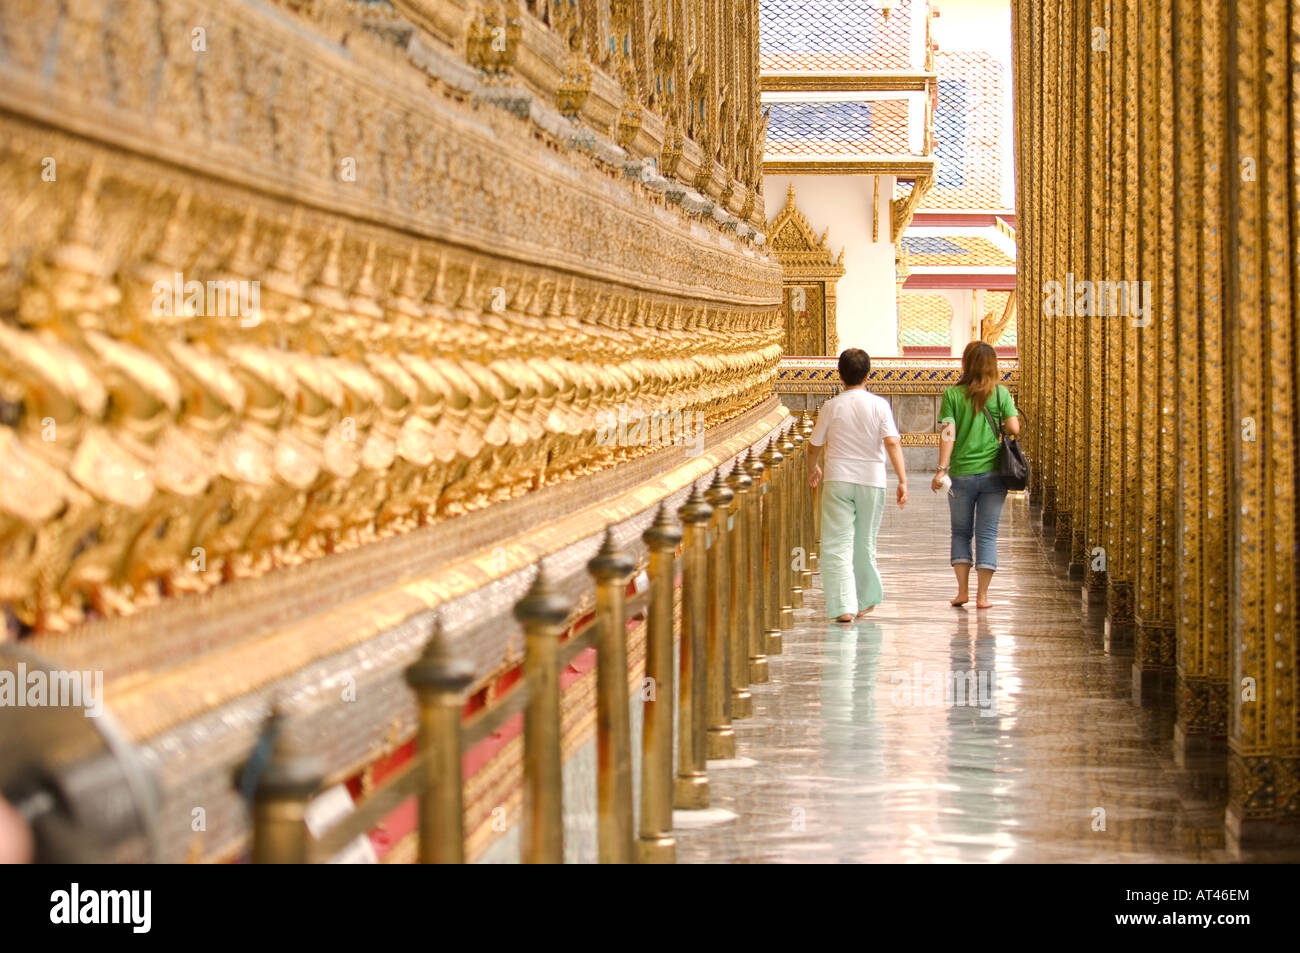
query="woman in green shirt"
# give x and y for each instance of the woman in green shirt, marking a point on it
(968, 453)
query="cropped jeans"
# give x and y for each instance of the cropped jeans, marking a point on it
(975, 506)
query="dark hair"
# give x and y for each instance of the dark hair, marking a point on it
(855, 365)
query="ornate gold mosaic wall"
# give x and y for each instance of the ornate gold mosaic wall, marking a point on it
(1165, 444)
(279, 280)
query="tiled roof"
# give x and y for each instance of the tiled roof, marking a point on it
(924, 320)
(958, 250)
(835, 35)
(968, 132)
(837, 128)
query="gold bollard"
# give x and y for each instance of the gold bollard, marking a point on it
(815, 502)
(440, 681)
(788, 467)
(611, 568)
(809, 536)
(691, 790)
(543, 612)
(287, 785)
(757, 602)
(720, 742)
(655, 844)
(772, 509)
(798, 479)
(740, 597)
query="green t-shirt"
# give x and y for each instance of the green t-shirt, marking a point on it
(976, 449)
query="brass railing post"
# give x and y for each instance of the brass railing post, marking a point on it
(440, 680)
(756, 605)
(721, 739)
(655, 844)
(810, 506)
(798, 480)
(789, 467)
(740, 597)
(772, 509)
(611, 568)
(543, 613)
(287, 785)
(691, 790)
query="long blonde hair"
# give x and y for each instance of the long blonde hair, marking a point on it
(979, 373)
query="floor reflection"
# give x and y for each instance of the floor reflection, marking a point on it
(932, 734)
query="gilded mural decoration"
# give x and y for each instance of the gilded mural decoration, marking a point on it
(323, 273)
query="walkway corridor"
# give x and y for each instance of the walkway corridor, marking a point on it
(857, 763)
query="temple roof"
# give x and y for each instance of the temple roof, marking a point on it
(924, 320)
(960, 250)
(837, 128)
(968, 133)
(834, 35)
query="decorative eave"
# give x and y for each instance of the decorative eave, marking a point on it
(846, 81)
(904, 167)
(901, 210)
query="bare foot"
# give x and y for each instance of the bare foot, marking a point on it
(865, 611)
(845, 618)
(961, 600)
(983, 603)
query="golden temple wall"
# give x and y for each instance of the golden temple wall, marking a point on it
(468, 236)
(1165, 442)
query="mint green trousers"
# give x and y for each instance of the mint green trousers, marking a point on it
(850, 520)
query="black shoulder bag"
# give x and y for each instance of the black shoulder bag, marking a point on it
(1013, 465)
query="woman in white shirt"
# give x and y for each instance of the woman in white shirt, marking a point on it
(857, 430)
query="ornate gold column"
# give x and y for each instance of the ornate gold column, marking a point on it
(1203, 493)
(1047, 235)
(1158, 419)
(1094, 459)
(1263, 729)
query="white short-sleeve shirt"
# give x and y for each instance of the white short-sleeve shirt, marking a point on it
(852, 427)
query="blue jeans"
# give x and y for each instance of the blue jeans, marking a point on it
(975, 506)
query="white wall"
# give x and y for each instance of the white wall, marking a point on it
(866, 297)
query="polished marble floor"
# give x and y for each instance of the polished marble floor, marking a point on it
(864, 747)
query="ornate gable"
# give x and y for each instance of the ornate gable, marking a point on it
(801, 253)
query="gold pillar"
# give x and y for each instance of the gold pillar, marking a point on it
(1205, 445)
(741, 598)
(611, 567)
(720, 741)
(1095, 459)
(691, 789)
(543, 613)
(655, 843)
(1263, 349)
(772, 459)
(796, 481)
(760, 596)
(1158, 415)
(786, 477)
(808, 500)
(440, 681)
